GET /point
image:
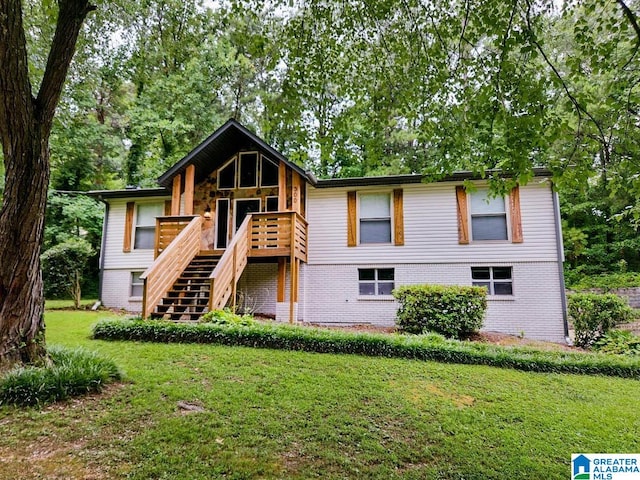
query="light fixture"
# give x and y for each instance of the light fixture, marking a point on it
(207, 212)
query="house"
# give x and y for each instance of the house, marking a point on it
(235, 222)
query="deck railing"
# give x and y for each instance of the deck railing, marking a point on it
(229, 268)
(170, 264)
(260, 235)
(167, 229)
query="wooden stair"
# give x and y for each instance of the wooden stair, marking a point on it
(188, 298)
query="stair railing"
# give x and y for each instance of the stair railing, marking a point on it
(224, 277)
(169, 265)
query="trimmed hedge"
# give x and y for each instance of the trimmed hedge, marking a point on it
(420, 347)
(73, 372)
(451, 310)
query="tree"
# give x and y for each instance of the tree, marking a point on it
(25, 125)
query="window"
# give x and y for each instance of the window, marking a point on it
(145, 234)
(497, 280)
(227, 176)
(268, 173)
(272, 204)
(137, 285)
(244, 207)
(248, 170)
(488, 216)
(375, 281)
(375, 218)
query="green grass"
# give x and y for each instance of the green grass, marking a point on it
(283, 414)
(85, 304)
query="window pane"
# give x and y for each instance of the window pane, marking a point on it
(367, 288)
(503, 288)
(385, 274)
(145, 237)
(481, 203)
(227, 176)
(366, 274)
(137, 290)
(248, 169)
(272, 204)
(375, 205)
(502, 273)
(385, 288)
(375, 231)
(489, 228)
(147, 213)
(245, 207)
(480, 273)
(269, 177)
(481, 284)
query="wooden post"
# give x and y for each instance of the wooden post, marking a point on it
(189, 185)
(296, 192)
(292, 261)
(175, 195)
(282, 187)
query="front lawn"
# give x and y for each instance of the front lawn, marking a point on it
(201, 411)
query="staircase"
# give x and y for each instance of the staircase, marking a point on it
(188, 298)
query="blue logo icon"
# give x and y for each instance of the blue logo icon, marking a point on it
(581, 468)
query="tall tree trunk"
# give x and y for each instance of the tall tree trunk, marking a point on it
(25, 125)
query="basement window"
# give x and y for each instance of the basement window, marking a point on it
(497, 280)
(375, 281)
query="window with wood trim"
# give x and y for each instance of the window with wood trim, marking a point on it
(145, 227)
(482, 217)
(248, 168)
(376, 281)
(497, 280)
(488, 216)
(375, 218)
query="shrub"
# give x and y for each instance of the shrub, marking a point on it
(419, 347)
(453, 311)
(64, 267)
(619, 342)
(72, 373)
(227, 317)
(593, 315)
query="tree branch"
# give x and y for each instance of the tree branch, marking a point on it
(631, 17)
(71, 14)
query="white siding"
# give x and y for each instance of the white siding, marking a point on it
(116, 290)
(431, 228)
(113, 255)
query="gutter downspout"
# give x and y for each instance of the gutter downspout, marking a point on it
(105, 224)
(560, 253)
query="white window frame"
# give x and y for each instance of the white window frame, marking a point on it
(266, 202)
(136, 225)
(505, 213)
(133, 283)
(239, 167)
(235, 176)
(267, 159)
(359, 217)
(217, 223)
(491, 281)
(376, 282)
(235, 209)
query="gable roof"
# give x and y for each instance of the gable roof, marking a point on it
(219, 147)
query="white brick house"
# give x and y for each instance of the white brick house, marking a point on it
(236, 221)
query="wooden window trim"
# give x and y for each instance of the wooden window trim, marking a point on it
(398, 217)
(463, 215)
(352, 219)
(515, 215)
(128, 227)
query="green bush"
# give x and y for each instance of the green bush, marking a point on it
(619, 342)
(72, 373)
(227, 317)
(604, 281)
(593, 315)
(453, 311)
(64, 267)
(420, 347)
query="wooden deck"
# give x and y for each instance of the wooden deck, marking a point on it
(264, 235)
